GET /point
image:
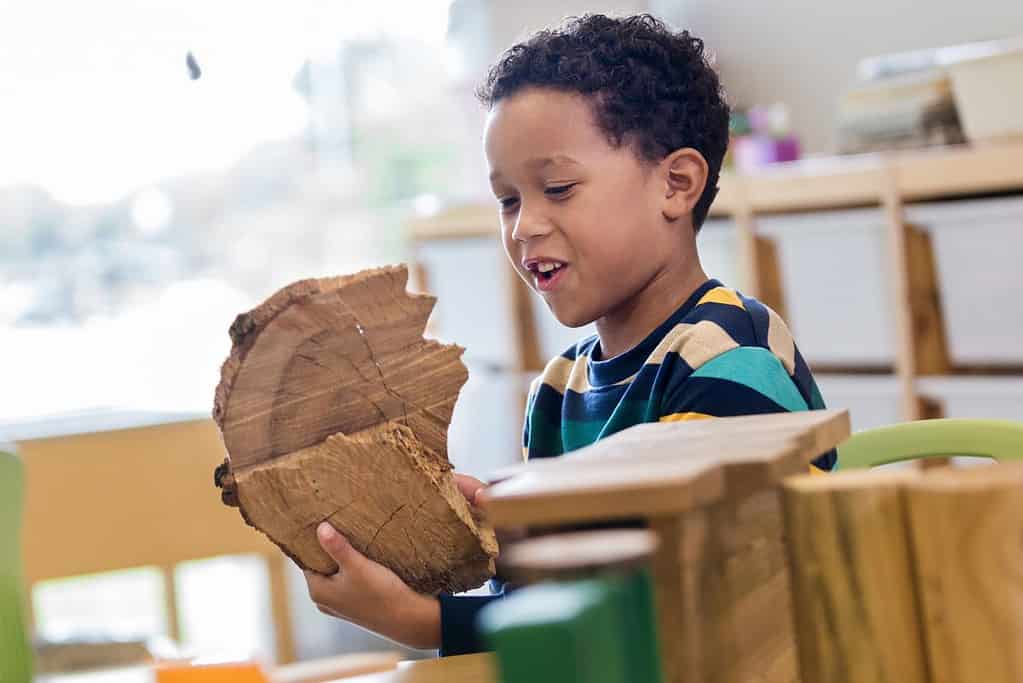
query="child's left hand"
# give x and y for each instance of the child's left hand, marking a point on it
(370, 595)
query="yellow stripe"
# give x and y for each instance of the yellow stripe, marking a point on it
(814, 470)
(695, 343)
(721, 295)
(682, 417)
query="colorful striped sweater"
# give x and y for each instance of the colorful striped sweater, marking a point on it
(719, 354)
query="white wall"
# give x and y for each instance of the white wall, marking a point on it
(804, 52)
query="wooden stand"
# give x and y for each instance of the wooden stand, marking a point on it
(709, 490)
(908, 578)
(886, 181)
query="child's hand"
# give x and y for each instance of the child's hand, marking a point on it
(469, 486)
(371, 595)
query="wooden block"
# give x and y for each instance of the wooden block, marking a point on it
(578, 555)
(680, 598)
(663, 468)
(852, 574)
(709, 489)
(747, 624)
(966, 527)
(333, 407)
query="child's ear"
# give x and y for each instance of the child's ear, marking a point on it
(685, 175)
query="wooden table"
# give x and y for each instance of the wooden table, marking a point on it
(122, 478)
(479, 668)
(465, 669)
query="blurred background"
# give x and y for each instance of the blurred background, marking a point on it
(147, 198)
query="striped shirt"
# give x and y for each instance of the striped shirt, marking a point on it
(720, 354)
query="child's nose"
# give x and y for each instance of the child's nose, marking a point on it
(529, 225)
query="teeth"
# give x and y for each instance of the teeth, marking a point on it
(546, 267)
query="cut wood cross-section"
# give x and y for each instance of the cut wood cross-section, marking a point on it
(333, 407)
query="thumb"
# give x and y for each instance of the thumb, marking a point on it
(337, 546)
(469, 486)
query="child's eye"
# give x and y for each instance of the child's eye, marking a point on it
(558, 189)
(507, 203)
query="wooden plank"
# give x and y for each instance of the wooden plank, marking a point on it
(459, 222)
(147, 473)
(818, 184)
(901, 297)
(335, 668)
(478, 668)
(968, 169)
(966, 527)
(747, 626)
(770, 286)
(811, 184)
(170, 600)
(527, 342)
(856, 613)
(746, 239)
(663, 468)
(928, 328)
(280, 609)
(847, 181)
(680, 598)
(728, 441)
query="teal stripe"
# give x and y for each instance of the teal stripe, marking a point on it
(758, 369)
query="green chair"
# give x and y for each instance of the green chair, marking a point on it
(15, 653)
(997, 439)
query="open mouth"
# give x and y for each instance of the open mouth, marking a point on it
(547, 273)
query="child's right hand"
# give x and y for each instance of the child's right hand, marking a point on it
(371, 595)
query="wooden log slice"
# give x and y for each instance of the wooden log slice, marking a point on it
(333, 406)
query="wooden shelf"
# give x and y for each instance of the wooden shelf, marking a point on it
(887, 181)
(862, 180)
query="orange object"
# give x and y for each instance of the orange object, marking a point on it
(231, 672)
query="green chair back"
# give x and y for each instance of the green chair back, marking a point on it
(15, 652)
(600, 630)
(997, 439)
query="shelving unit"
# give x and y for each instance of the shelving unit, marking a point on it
(889, 182)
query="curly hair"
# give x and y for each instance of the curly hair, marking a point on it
(651, 87)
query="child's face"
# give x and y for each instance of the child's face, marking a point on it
(572, 202)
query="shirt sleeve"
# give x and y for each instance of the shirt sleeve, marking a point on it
(742, 381)
(458, 613)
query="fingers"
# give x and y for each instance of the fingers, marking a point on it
(337, 546)
(469, 486)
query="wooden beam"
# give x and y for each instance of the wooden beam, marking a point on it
(280, 609)
(857, 617)
(170, 598)
(899, 270)
(928, 324)
(966, 526)
(527, 342)
(770, 285)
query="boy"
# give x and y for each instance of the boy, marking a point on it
(604, 141)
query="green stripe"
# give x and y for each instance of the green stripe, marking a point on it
(628, 412)
(758, 369)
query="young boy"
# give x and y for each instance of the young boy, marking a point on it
(604, 141)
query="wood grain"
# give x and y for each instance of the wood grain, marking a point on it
(857, 616)
(967, 533)
(333, 407)
(709, 490)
